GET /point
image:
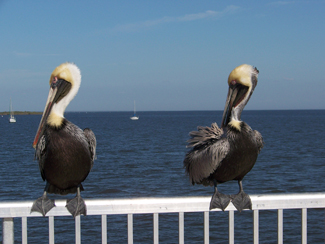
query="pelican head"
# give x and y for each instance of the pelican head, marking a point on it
(64, 85)
(242, 82)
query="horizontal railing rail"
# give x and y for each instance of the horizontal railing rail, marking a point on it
(156, 206)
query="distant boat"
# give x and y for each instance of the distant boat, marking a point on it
(12, 118)
(134, 117)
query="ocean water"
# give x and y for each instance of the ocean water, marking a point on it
(144, 158)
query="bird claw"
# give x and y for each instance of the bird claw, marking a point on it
(43, 205)
(76, 206)
(219, 200)
(241, 201)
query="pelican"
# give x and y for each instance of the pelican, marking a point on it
(219, 155)
(65, 153)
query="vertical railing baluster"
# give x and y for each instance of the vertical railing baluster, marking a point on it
(155, 228)
(181, 227)
(206, 227)
(24, 230)
(256, 226)
(130, 228)
(231, 227)
(51, 229)
(104, 229)
(280, 226)
(78, 229)
(8, 236)
(304, 226)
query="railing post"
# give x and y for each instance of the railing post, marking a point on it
(256, 226)
(51, 230)
(206, 227)
(231, 227)
(78, 229)
(8, 231)
(181, 227)
(130, 228)
(104, 229)
(155, 228)
(304, 226)
(280, 226)
(24, 230)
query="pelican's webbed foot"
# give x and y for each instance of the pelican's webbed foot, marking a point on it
(76, 206)
(241, 200)
(219, 200)
(43, 205)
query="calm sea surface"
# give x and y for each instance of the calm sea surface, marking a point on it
(144, 158)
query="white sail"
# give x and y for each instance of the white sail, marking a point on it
(12, 118)
(134, 117)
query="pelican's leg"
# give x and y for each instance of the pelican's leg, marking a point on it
(219, 200)
(241, 200)
(43, 204)
(76, 206)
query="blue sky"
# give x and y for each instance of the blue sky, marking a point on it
(166, 55)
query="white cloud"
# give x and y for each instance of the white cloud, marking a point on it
(133, 27)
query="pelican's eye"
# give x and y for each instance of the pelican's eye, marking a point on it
(233, 82)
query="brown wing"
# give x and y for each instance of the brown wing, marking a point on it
(209, 148)
(89, 134)
(259, 140)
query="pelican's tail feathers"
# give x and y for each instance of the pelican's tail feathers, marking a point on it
(204, 135)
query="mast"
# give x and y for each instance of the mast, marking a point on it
(11, 112)
(10, 109)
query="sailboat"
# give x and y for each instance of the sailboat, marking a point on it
(12, 118)
(134, 117)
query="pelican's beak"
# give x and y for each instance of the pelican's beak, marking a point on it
(58, 89)
(236, 94)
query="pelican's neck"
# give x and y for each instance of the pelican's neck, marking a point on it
(235, 121)
(235, 124)
(56, 116)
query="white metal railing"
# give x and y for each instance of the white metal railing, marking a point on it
(156, 206)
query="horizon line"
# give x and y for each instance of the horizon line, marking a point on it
(195, 110)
